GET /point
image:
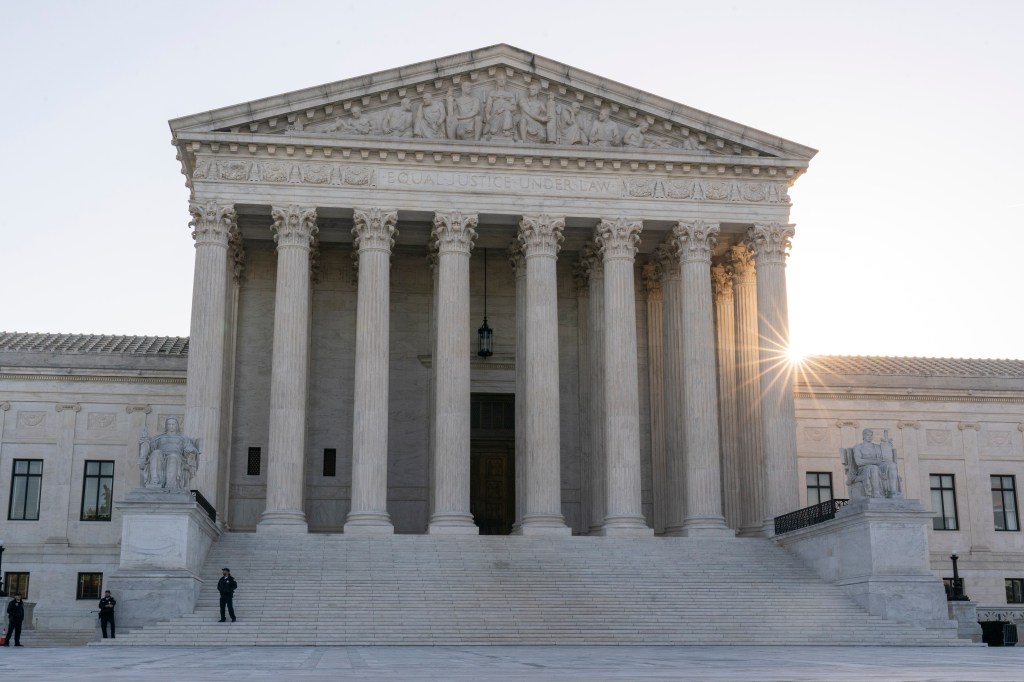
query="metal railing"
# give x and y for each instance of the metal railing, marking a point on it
(808, 516)
(205, 505)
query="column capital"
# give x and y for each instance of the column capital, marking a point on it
(541, 235)
(374, 229)
(590, 260)
(237, 250)
(721, 281)
(770, 242)
(667, 256)
(212, 222)
(618, 239)
(516, 257)
(696, 240)
(293, 226)
(454, 232)
(741, 261)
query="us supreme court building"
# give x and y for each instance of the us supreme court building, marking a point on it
(489, 294)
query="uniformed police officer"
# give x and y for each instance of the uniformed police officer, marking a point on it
(227, 586)
(107, 605)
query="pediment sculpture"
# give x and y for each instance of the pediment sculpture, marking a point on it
(169, 460)
(871, 469)
(498, 112)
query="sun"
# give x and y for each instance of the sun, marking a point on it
(795, 355)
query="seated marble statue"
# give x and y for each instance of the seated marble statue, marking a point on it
(871, 467)
(168, 460)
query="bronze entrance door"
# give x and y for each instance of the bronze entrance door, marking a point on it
(492, 498)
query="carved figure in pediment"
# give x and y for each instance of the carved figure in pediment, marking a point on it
(465, 121)
(397, 120)
(356, 124)
(499, 108)
(638, 137)
(605, 132)
(430, 119)
(570, 127)
(534, 116)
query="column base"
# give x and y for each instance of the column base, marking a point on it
(452, 524)
(707, 527)
(369, 523)
(282, 521)
(675, 530)
(543, 524)
(751, 532)
(625, 526)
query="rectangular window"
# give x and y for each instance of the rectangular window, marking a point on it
(26, 484)
(89, 586)
(97, 491)
(1014, 590)
(330, 462)
(252, 467)
(1004, 503)
(819, 487)
(15, 583)
(943, 502)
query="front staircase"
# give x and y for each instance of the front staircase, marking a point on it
(429, 590)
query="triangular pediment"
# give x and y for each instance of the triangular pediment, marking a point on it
(491, 98)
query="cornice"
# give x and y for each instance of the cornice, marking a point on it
(907, 397)
(99, 378)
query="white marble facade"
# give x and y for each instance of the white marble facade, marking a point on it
(340, 237)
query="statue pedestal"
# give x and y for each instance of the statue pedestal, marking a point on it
(165, 537)
(876, 549)
(965, 613)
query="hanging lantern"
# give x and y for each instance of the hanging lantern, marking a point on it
(484, 332)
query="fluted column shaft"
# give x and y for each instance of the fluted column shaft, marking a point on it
(700, 403)
(618, 240)
(729, 426)
(595, 370)
(674, 397)
(770, 243)
(748, 392)
(454, 233)
(540, 237)
(294, 231)
(518, 262)
(656, 395)
(374, 234)
(212, 226)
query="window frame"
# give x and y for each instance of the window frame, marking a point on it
(1012, 490)
(27, 476)
(86, 477)
(940, 515)
(22, 578)
(80, 585)
(1014, 590)
(818, 488)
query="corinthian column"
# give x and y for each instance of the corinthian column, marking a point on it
(748, 392)
(667, 254)
(770, 243)
(651, 275)
(703, 470)
(540, 237)
(294, 232)
(454, 234)
(725, 324)
(212, 225)
(618, 240)
(591, 261)
(374, 233)
(518, 262)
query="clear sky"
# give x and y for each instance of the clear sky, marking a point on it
(907, 222)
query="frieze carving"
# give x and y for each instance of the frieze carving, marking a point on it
(102, 420)
(901, 424)
(74, 407)
(4, 406)
(938, 436)
(815, 434)
(30, 420)
(497, 111)
(130, 409)
(291, 172)
(997, 439)
(963, 426)
(840, 423)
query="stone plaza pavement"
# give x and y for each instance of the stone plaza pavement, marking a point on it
(485, 663)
